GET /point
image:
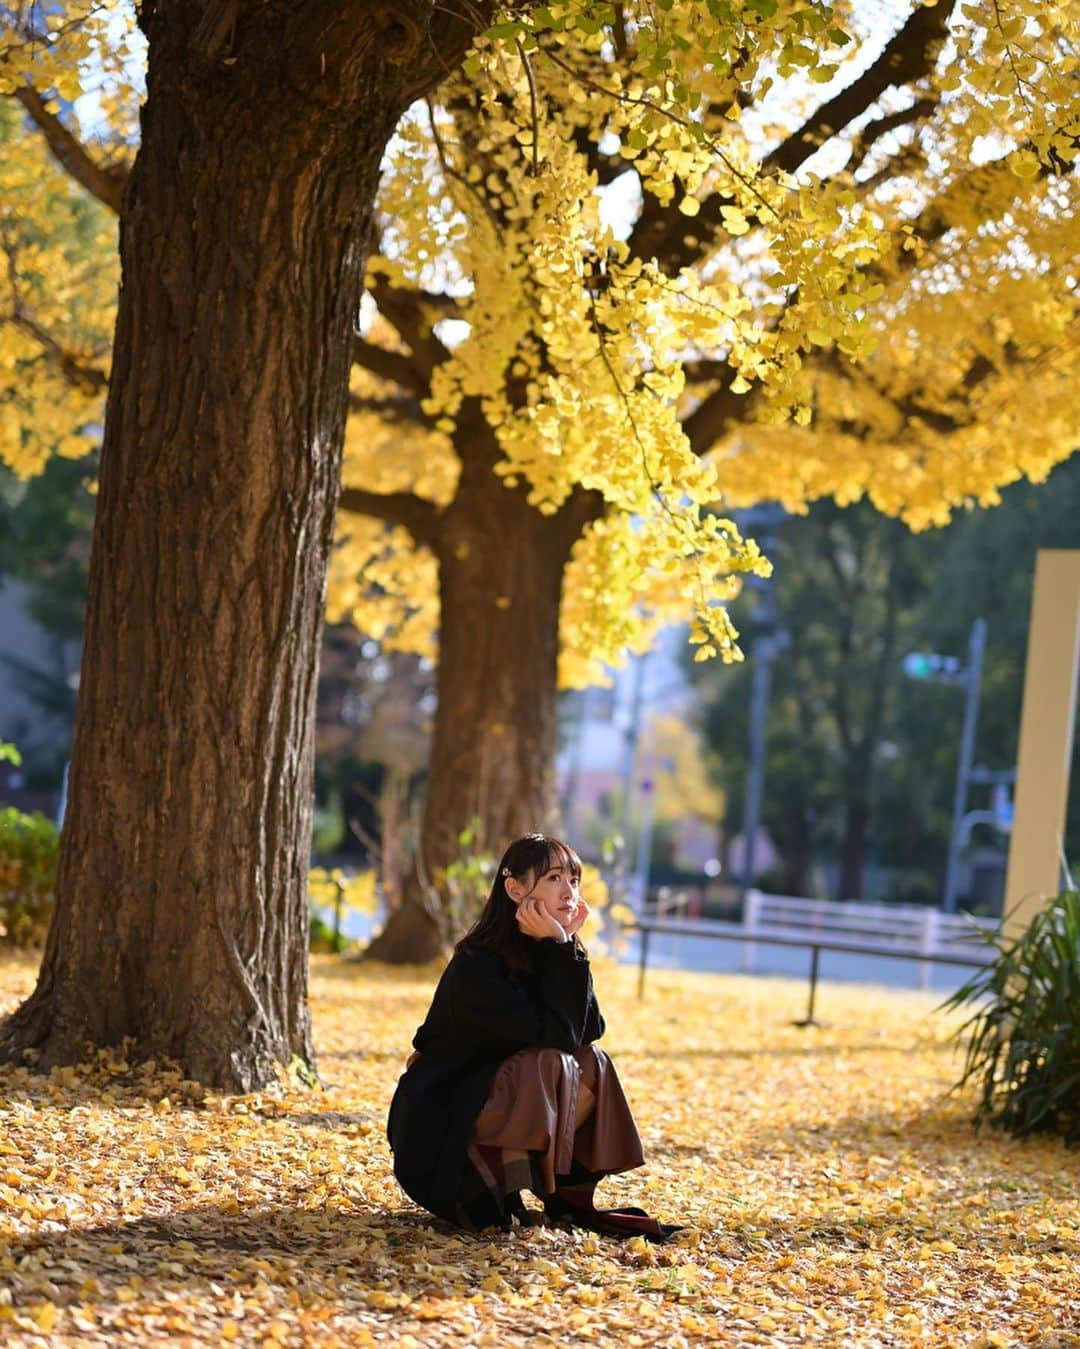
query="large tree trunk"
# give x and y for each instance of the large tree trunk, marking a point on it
(501, 565)
(181, 915)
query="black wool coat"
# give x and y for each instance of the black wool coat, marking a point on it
(482, 1012)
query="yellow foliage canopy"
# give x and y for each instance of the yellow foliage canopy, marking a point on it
(848, 298)
(684, 257)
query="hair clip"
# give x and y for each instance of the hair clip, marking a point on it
(506, 871)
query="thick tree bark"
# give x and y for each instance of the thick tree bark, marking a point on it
(181, 915)
(501, 565)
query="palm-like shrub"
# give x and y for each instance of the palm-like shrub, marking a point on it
(1022, 1041)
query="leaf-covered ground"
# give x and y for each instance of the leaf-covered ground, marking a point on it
(834, 1194)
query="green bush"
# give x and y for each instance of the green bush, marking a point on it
(28, 851)
(321, 934)
(1023, 1040)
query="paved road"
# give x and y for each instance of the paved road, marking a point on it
(707, 955)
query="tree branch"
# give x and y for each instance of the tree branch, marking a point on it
(710, 419)
(391, 365)
(105, 182)
(917, 111)
(421, 518)
(933, 221)
(403, 411)
(666, 234)
(455, 25)
(707, 369)
(86, 378)
(408, 311)
(606, 167)
(907, 57)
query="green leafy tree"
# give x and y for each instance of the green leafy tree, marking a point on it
(890, 781)
(846, 590)
(986, 568)
(45, 526)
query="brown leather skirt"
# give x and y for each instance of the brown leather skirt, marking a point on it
(534, 1106)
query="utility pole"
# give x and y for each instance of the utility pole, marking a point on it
(949, 670)
(764, 653)
(972, 684)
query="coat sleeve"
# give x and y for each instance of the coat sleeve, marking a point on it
(594, 1020)
(490, 1009)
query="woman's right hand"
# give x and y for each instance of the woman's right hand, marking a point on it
(535, 921)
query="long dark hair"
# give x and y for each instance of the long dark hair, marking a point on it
(496, 929)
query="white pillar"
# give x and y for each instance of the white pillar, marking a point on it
(1046, 737)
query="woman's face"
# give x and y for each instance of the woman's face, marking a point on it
(556, 888)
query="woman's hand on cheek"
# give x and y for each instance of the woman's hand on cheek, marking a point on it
(535, 921)
(581, 914)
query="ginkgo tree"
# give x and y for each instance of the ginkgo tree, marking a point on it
(803, 293)
(181, 912)
(817, 294)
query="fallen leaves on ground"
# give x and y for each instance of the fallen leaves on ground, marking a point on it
(834, 1193)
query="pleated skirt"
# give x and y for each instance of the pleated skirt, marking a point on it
(525, 1134)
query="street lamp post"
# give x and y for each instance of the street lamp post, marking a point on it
(972, 683)
(764, 653)
(950, 670)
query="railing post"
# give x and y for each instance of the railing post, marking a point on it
(928, 944)
(751, 924)
(808, 1019)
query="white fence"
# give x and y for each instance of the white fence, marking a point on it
(882, 927)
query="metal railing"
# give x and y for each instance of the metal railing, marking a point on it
(827, 937)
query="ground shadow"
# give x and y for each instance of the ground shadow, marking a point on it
(371, 1055)
(868, 1231)
(207, 1249)
(340, 1120)
(939, 1120)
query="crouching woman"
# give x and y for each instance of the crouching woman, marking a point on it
(507, 1091)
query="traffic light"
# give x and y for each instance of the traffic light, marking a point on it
(928, 665)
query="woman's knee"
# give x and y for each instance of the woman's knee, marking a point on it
(590, 1054)
(547, 1061)
(591, 1060)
